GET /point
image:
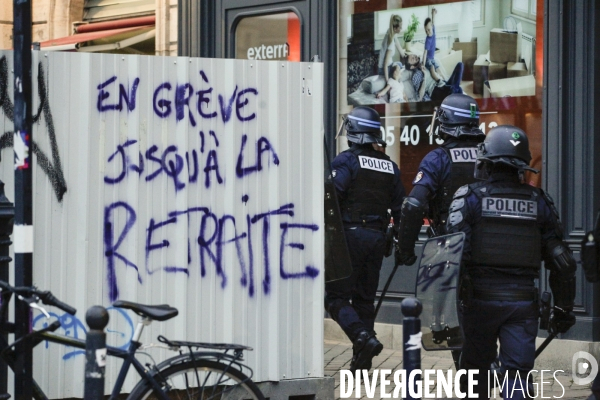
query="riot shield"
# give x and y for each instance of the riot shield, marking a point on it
(337, 259)
(437, 281)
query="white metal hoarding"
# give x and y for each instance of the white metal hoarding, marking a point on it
(187, 181)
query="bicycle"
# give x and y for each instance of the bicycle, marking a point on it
(215, 374)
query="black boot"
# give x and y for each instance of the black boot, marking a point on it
(366, 346)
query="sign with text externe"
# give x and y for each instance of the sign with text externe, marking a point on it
(268, 37)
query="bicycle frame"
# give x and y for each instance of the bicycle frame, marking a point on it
(151, 376)
(128, 357)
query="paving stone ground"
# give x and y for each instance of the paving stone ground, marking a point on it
(339, 354)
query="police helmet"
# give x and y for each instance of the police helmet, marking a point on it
(504, 144)
(363, 125)
(457, 116)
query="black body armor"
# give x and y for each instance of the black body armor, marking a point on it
(370, 195)
(462, 155)
(508, 235)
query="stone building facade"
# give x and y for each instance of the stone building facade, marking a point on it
(53, 19)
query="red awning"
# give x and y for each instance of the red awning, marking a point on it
(116, 24)
(90, 36)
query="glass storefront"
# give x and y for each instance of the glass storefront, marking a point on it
(500, 44)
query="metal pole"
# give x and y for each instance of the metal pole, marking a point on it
(411, 333)
(23, 229)
(95, 353)
(7, 215)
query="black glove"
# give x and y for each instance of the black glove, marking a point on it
(562, 320)
(405, 257)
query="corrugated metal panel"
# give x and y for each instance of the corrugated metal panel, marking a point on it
(202, 188)
(94, 10)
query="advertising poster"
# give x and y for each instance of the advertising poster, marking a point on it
(490, 50)
(424, 53)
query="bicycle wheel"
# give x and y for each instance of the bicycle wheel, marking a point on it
(201, 380)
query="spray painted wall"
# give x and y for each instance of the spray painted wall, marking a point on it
(192, 182)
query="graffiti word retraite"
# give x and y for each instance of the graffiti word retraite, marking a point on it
(215, 234)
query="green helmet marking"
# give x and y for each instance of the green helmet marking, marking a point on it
(473, 108)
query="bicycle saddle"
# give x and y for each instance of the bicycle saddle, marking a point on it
(160, 312)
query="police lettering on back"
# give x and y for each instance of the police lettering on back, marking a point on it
(376, 164)
(512, 208)
(463, 154)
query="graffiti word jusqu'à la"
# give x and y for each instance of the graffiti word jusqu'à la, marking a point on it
(248, 240)
(175, 99)
(171, 162)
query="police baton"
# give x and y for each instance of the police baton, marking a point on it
(385, 289)
(545, 308)
(388, 252)
(545, 343)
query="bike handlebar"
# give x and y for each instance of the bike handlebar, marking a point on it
(48, 298)
(45, 296)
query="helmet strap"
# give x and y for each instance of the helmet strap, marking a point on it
(433, 119)
(341, 128)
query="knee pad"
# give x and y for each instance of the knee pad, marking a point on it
(333, 307)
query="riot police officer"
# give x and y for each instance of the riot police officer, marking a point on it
(441, 172)
(367, 185)
(510, 228)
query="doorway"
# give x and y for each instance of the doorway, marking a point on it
(291, 30)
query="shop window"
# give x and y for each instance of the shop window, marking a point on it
(524, 8)
(105, 10)
(268, 37)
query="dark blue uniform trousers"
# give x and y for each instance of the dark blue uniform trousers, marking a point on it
(515, 325)
(350, 301)
(596, 388)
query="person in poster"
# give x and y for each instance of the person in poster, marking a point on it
(394, 87)
(389, 45)
(498, 59)
(429, 54)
